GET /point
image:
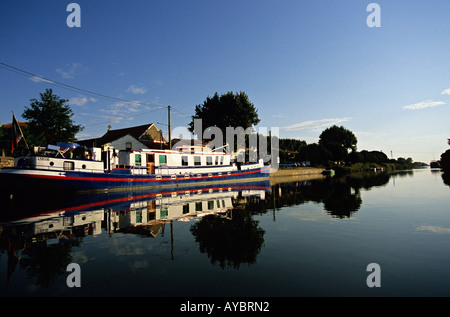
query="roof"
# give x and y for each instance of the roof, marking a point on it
(135, 132)
(146, 134)
(23, 125)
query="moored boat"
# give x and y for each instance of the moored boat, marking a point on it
(70, 167)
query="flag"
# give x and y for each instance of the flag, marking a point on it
(16, 134)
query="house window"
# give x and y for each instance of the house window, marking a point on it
(162, 160)
(184, 160)
(128, 146)
(197, 160)
(137, 160)
(69, 166)
(208, 160)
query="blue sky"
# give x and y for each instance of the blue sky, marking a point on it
(306, 65)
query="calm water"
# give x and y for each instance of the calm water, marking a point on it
(313, 238)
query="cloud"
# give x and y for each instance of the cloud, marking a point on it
(446, 92)
(315, 124)
(71, 70)
(424, 104)
(119, 111)
(137, 90)
(39, 79)
(81, 101)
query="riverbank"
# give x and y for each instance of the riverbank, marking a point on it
(295, 174)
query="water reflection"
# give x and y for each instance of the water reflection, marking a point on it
(341, 197)
(446, 178)
(38, 234)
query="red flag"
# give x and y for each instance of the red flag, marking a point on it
(16, 134)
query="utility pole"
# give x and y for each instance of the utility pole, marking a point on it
(170, 136)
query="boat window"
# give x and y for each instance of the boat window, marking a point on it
(185, 209)
(208, 160)
(217, 160)
(139, 216)
(198, 206)
(221, 160)
(164, 212)
(184, 160)
(137, 160)
(197, 160)
(162, 160)
(69, 165)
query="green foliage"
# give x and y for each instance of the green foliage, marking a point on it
(445, 161)
(367, 156)
(317, 154)
(338, 141)
(227, 110)
(292, 145)
(5, 141)
(49, 120)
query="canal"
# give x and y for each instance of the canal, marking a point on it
(364, 235)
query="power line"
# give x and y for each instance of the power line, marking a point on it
(88, 92)
(110, 121)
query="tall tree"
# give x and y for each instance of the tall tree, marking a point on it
(226, 110)
(49, 119)
(338, 140)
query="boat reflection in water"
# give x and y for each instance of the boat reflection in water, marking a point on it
(123, 209)
(40, 222)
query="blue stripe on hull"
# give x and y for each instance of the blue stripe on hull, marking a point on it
(116, 181)
(81, 181)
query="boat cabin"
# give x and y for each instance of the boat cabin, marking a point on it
(57, 158)
(188, 160)
(151, 161)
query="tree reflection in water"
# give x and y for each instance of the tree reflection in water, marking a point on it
(229, 242)
(446, 178)
(341, 197)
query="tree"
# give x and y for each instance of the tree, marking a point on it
(445, 161)
(49, 120)
(338, 141)
(339, 135)
(315, 153)
(227, 110)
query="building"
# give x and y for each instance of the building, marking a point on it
(146, 136)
